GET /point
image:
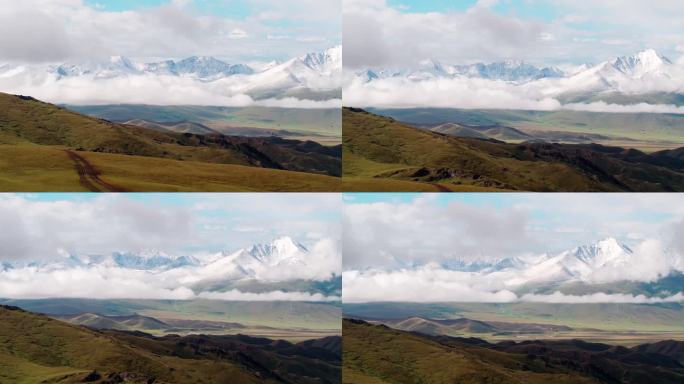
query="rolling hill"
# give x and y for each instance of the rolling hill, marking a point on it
(136, 158)
(650, 132)
(35, 348)
(377, 354)
(464, 326)
(379, 151)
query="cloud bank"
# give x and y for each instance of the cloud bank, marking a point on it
(378, 34)
(72, 30)
(37, 228)
(119, 283)
(485, 248)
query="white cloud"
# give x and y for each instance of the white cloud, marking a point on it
(201, 223)
(600, 297)
(376, 34)
(478, 93)
(427, 229)
(235, 295)
(36, 230)
(119, 283)
(418, 285)
(423, 230)
(75, 31)
(110, 283)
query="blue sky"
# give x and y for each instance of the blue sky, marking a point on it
(521, 8)
(233, 9)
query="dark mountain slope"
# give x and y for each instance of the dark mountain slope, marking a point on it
(35, 348)
(383, 149)
(391, 356)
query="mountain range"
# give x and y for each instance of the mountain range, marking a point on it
(282, 264)
(606, 266)
(313, 76)
(646, 76)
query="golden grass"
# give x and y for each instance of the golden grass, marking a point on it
(34, 168)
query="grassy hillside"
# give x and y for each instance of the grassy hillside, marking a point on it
(33, 131)
(32, 341)
(380, 150)
(35, 348)
(377, 354)
(36, 168)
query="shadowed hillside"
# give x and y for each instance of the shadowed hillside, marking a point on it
(378, 354)
(379, 151)
(35, 348)
(36, 130)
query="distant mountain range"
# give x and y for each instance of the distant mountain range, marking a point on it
(278, 265)
(606, 266)
(314, 76)
(646, 76)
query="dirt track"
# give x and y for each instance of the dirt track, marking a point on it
(89, 176)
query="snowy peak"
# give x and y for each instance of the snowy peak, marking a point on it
(277, 251)
(326, 61)
(148, 260)
(643, 62)
(208, 67)
(602, 252)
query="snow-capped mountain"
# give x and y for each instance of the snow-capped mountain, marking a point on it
(511, 70)
(605, 261)
(282, 252)
(647, 62)
(646, 72)
(313, 76)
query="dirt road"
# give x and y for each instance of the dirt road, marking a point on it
(89, 176)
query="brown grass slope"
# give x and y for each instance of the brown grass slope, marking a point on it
(26, 120)
(35, 341)
(377, 354)
(381, 149)
(35, 348)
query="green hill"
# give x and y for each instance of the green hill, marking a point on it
(35, 348)
(377, 354)
(32, 131)
(380, 150)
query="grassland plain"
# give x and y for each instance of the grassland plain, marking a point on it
(36, 348)
(381, 153)
(322, 125)
(645, 131)
(35, 138)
